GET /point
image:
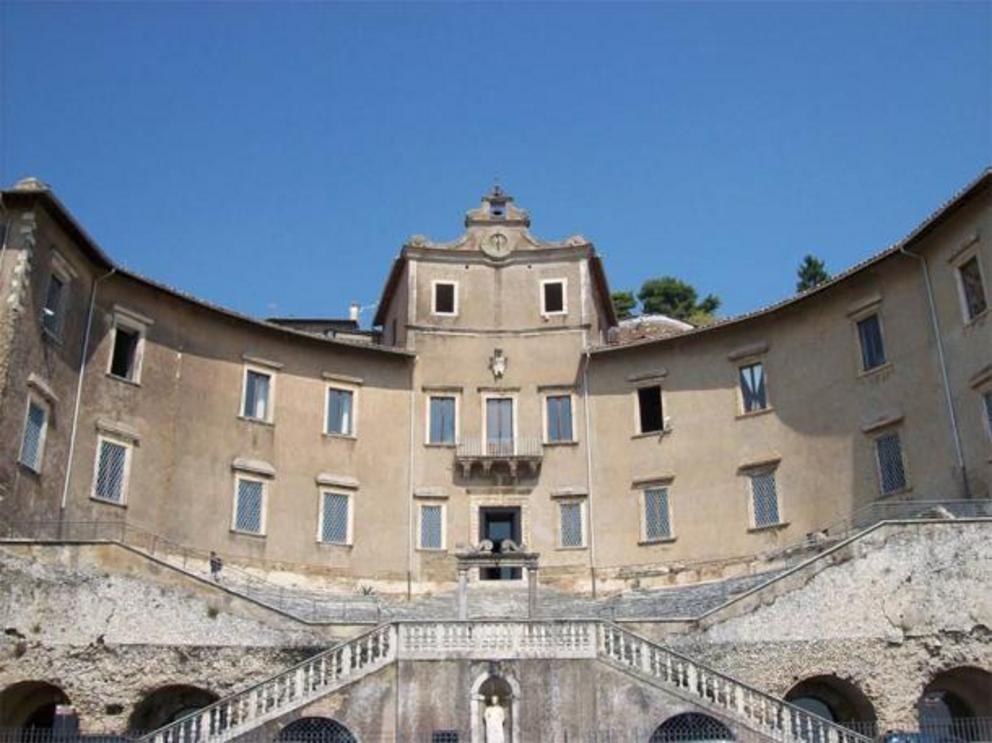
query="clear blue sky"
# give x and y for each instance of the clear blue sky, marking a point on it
(273, 157)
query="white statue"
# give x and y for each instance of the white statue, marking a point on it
(494, 717)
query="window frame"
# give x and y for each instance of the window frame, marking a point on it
(341, 387)
(876, 311)
(126, 475)
(906, 484)
(454, 303)
(959, 262)
(46, 408)
(263, 520)
(514, 412)
(642, 499)
(545, 312)
(581, 502)
(665, 420)
(741, 365)
(270, 407)
(432, 503)
(56, 272)
(985, 401)
(547, 440)
(349, 526)
(122, 320)
(749, 474)
(427, 418)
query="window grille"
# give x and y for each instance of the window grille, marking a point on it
(257, 395)
(442, 423)
(753, 387)
(431, 522)
(51, 314)
(339, 415)
(251, 495)
(987, 397)
(657, 522)
(334, 529)
(34, 435)
(554, 297)
(872, 348)
(971, 287)
(571, 524)
(110, 472)
(764, 499)
(445, 736)
(649, 408)
(125, 354)
(891, 470)
(560, 418)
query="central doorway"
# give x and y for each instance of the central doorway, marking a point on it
(497, 524)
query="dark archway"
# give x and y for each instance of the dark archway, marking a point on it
(315, 730)
(691, 726)
(30, 704)
(958, 703)
(167, 704)
(837, 700)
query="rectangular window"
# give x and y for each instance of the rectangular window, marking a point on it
(340, 406)
(335, 518)
(111, 471)
(445, 298)
(33, 443)
(249, 507)
(442, 420)
(972, 288)
(764, 499)
(870, 337)
(553, 297)
(753, 395)
(570, 515)
(987, 400)
(891, 468)
(257, 393)
(499, 426)
(448, 736)
(559, 411)
(52, 312)
(657, 518)
(649, 409)
(431, 527)
(124, 359)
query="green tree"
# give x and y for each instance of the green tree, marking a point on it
(624, 303)
(670, 296)
(811, 272)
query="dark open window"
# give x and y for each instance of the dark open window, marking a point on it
(124, 361)
(554, 297)
(444, 299)
(649, 408)
(972, 288)
(872, 348)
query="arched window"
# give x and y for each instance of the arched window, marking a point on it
(691, 726)
(316, 730)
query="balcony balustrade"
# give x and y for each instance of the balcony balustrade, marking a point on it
(511, 454)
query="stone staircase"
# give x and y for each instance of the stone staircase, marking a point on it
(350, 661)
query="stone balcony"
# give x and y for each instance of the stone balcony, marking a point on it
(484, 456)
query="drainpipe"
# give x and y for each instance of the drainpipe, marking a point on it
(948, 398)
(79, 395)
(585, 408)
(410, 510)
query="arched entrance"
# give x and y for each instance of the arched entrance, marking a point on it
(506, 691)
(315, 730)
(958, 703)
(30, 704)
(836, 700)
(168, 704)
(691, 726)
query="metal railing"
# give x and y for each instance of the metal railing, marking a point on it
(304, 604)
(482, 448)
(319, 675)
(761, 712)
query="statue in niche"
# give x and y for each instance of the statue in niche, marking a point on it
(495, 719)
